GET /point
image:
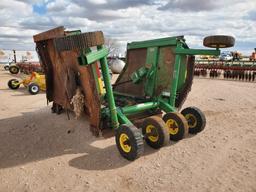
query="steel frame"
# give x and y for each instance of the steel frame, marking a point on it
(119, 115)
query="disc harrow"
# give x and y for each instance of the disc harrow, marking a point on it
(240, 70)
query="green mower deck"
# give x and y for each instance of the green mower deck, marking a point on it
(157, 78)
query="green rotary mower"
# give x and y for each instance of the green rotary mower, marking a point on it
(148, 94)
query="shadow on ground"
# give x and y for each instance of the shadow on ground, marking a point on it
(41, 135)
(105, 159)
(23, 91)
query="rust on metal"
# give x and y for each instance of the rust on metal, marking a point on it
(79, 42)
(165, 68)
(50, 34)
(29, 67)
(136, 58)
(63, 73)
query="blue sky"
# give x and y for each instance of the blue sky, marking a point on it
(40, 9)
(130, 20)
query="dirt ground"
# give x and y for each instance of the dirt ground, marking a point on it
(41, 151)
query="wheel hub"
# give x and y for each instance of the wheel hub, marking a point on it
(152, 134)
(34, 89)
(172, 126)
(124, 143)
(191, 120)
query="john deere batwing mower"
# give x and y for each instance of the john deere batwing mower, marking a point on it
(148, 94)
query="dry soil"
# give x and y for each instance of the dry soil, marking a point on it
(41, 151)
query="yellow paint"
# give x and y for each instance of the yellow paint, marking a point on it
(122, 140)
(172, 126)
(150, 129)
(192, 122)
(35, 78)
(102, 90)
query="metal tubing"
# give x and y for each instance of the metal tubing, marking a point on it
(175, 77)
(95, 56)
(197, 51)
(165, 106)
(109, 91)
(139, 108)
(152, 60)
(122, 118)
(153, 43)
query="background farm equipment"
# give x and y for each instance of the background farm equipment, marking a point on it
(34, 83)
(25, 67)
(13, 68)
(237, 56)
(29, 67)
(253, 55)
(6, 66)
(156, 78)
(235, 70)
(226, 56)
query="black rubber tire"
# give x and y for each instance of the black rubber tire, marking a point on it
(135, 142)
(219, 41)
(181, 125)
(6, 68)
(160, 130)
(10, 84)
(33, 88)
(14, 69)
(197, 117)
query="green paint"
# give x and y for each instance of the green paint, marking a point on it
(122, 118)
(180, 50)
(108, 86)
(91, 57)
(160, 88)
(165, 106)
(151, 64)
(153, 43)
(138, 75)
(129, 110)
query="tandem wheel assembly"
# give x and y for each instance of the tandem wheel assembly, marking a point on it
(177, 125)
(155, 132)
(129, 142)
(195, 118)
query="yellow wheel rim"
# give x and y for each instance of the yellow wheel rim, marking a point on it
(14, 69)
(150, 129)
(123, 143)
(172, 126)
(192, 122)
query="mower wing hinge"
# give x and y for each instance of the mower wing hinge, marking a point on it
(91, 57)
